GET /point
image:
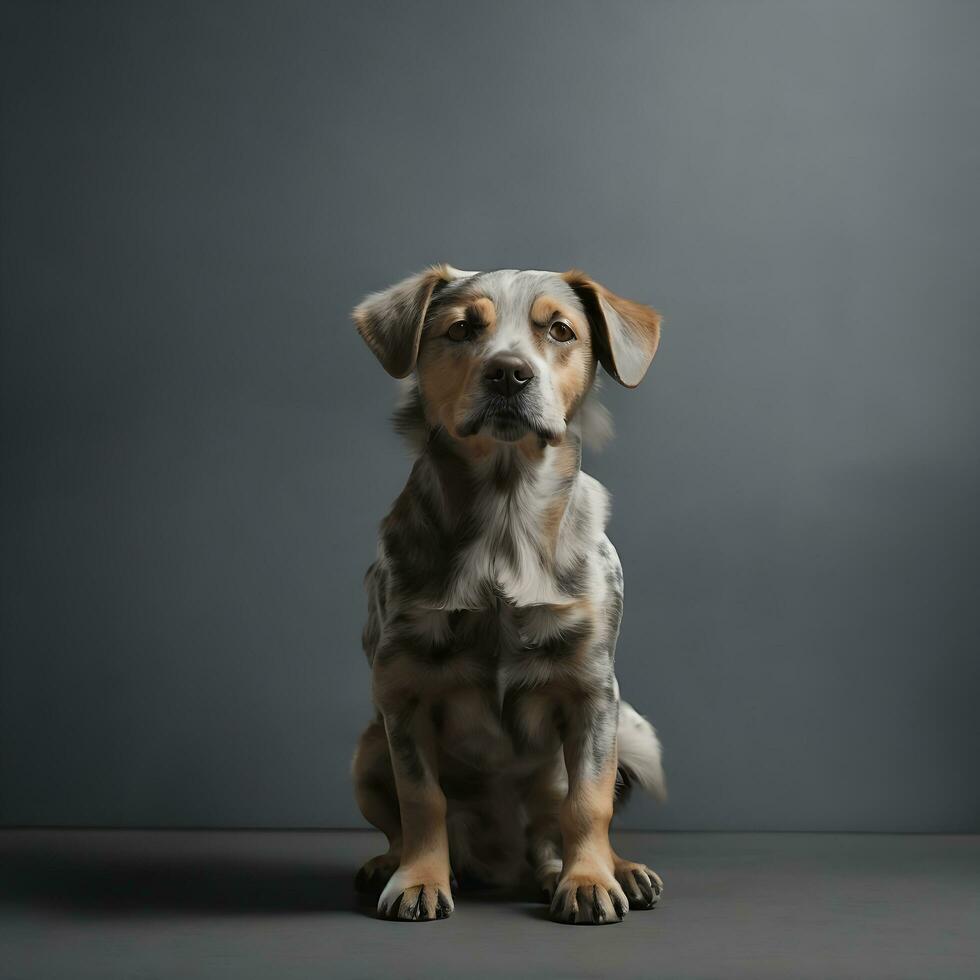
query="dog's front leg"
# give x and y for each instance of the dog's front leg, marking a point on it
(587, 891)
(419, 889)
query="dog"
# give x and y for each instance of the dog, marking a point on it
(500, 744)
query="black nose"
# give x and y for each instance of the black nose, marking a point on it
(507, 374)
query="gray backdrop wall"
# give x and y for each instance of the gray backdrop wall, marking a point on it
(195, 443)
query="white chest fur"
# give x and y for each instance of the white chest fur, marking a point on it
(520, 551)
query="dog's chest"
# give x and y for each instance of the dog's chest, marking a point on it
(492, 677)
(506, 558)
(499, 636)
(525, 544)
(499, 619)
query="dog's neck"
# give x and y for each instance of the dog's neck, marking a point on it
(517, 516)
(480, 468)
(469, 468)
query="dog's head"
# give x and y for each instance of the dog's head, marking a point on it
(507, 353)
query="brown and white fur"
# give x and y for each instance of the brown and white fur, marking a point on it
(500, 741)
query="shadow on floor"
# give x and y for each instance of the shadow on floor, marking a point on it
(231, 886)
(98, 881)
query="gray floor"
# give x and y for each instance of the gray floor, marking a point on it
(107, 904)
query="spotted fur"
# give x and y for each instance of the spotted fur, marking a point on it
(495, 600)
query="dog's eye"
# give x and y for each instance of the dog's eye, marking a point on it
(459, 331)
(561, 332)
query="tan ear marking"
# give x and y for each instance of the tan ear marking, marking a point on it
(627, 333)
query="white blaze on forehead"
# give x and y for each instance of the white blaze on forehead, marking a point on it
(513, 293)
(512, 337)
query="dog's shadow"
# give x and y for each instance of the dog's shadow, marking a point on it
(100, 881)
(132, 885)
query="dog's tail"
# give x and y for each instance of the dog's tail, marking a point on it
(640, 763)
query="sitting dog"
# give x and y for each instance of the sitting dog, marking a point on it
(494, 604)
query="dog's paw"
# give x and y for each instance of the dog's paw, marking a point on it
(375, 874)
(548, 883)
(415, 901)
(642, 886)
(589, 899)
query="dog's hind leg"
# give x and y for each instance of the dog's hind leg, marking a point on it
(374, 789)
(543, 801)
(639, 764)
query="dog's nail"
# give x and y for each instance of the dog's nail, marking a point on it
(442, 905)
(646, 887)
(419, 910)
(598, 912)
(395, 908)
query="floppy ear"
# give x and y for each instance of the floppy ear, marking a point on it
(626, 333)
(391, 321)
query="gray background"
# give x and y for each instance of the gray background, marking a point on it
(195, 451)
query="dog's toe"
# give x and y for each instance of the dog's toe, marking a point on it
(589, 900)
(642, 886)
(548, 884)
(420, 902)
